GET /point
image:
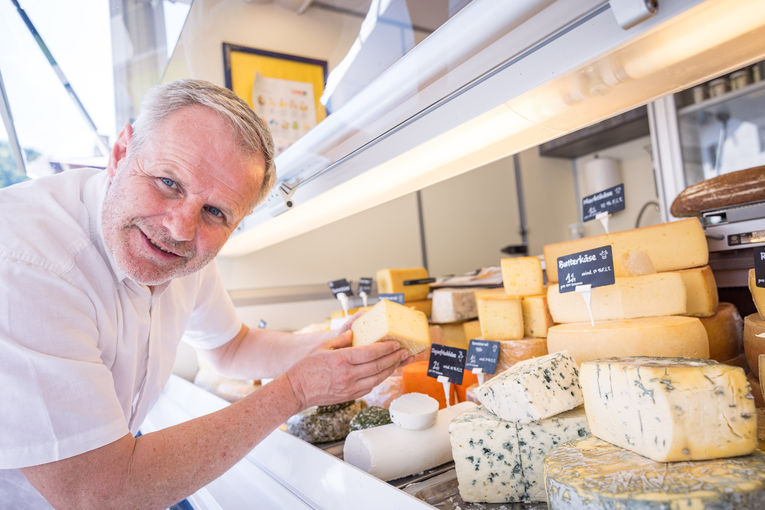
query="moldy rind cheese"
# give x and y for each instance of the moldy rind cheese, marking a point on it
(648, 336)
(670, 409)
(533, 389)
(669, 246)
(453, 305)
(593, 474)
(629, 297)
(497, 461)
(391, 321)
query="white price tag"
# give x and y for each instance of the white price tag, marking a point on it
(603, 217)
(447, 386)
(343, 302)
(586, 292)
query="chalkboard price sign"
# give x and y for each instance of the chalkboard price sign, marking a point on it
(593, 267)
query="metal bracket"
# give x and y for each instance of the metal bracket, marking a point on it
(629, 13)
(280, 198)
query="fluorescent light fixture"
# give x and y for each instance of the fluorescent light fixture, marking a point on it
(711, 38)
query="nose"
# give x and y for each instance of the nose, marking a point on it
(181, 221)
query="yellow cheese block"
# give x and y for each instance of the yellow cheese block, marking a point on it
(522, 276)
(471, 329)
(725, 332)
(392, 281)
(670, 409)
(513, 351)
(670, 336)
(700, 291)
(754, 345)
(594, 474)
(423, 305)
(501, 317)
(669, 246)
(452, 335)
(536, 316)
(758, 294)
(479, 293)
(629, 297)
(391, 321)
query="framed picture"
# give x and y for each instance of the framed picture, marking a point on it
(283, 89)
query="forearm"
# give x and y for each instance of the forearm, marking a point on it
(258, 353)
(161, 468)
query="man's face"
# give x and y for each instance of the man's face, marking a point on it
(170, 207)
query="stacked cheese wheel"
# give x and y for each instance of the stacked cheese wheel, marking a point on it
(499, 447)
(667, 433)
(663, 303)
(754, 338)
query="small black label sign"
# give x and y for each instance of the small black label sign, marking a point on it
(396, 297)
(609, 200)
(446, 361)
(340, 286)
(594, 267)
(759, 266)
(365, 286)
(419, 281)
(483, 354)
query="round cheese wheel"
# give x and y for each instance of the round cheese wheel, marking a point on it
(513, 351)
(414, 411)
(725, 332)
(754, 345)
(667, 336)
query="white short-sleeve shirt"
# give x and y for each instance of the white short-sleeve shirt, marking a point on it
(84, 350)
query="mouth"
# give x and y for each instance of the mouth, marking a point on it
(159, 250)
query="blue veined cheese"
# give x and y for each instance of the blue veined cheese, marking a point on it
(592, 474)
(670, 409)
(533, 389)
(497, 461)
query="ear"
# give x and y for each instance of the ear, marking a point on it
(119, 151)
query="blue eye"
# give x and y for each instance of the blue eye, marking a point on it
(214, 211)
(168, 182)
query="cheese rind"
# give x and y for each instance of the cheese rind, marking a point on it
(725, 332)
(758, 293)
(700, 291)
(391, 321)
(649, 295)
(500, 462)
(533, 389)
(593, 474)
(471, 329)
(669, 246)
(536, 316)
(673, 336)
(453, 305)
(392, 281)
(513, 351)
(754, 345)
(670, 409)
(389, 452)
(522, 276)
(500, 317)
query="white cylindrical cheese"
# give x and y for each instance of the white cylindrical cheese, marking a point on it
(414, 411)
(389, 452)
(673, 336)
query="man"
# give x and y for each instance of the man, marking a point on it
(101, 273)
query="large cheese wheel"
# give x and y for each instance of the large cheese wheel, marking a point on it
(758, 293)
(754, 345)
(700, 291)
(671, 336)
(725, 331)
(629, 297)
(669, 246)
(389, 452)
(670, 409)
(414, 379)
(591, 473)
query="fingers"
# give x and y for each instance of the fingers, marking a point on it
(340, 341)
(366, 353)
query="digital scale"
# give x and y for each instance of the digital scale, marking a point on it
(732, 234)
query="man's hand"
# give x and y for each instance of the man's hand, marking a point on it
(336, 372)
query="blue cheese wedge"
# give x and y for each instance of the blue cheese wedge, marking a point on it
(594, 474)
(499, 461)
(670, 409)
(533, 389)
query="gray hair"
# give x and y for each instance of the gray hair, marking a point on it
(253, 136)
